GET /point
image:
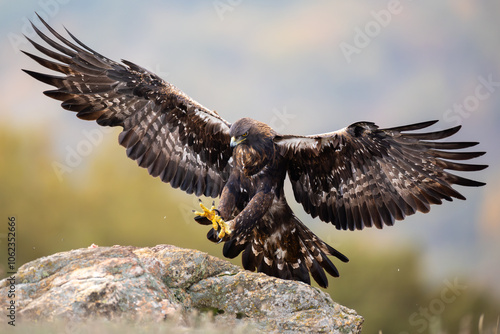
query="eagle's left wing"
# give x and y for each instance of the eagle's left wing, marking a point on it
(362, 176)
(165, 131)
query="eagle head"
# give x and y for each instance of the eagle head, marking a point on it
(250, 132)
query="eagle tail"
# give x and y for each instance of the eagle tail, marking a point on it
(289, 250)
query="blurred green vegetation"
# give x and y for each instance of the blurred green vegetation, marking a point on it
(109, 200)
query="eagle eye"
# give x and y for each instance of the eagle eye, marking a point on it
(245, 134)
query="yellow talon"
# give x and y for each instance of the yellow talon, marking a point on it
(217, 221)
(224, 227)
(209, 214)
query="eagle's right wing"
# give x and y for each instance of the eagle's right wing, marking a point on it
(164, 130)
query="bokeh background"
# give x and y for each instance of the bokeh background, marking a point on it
(304, 68)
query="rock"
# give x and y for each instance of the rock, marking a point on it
(168, 284)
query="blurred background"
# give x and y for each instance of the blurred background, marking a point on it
(303, 68)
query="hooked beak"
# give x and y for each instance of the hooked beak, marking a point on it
(235, 142)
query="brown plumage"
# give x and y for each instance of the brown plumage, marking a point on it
(360, 176)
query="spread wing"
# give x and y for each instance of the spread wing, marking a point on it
(362, 176)
(164, 130)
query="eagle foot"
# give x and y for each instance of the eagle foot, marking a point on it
(218, 224)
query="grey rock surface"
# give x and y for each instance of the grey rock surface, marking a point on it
(167, 284)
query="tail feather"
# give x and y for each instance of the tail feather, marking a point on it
(329, 267)
(288, 251)
(318, 274)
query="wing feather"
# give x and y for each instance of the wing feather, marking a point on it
(164, 130)
(363, 176)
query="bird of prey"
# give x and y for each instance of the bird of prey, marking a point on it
(356, 177)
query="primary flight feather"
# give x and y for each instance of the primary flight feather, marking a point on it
(356, 177)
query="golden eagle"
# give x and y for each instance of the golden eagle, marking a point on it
(356, 177)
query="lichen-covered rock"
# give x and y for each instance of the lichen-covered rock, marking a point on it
(165, 282)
